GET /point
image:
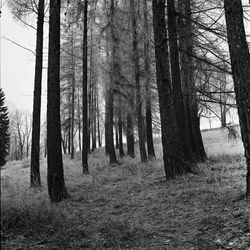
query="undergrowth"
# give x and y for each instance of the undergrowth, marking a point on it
(129, 206)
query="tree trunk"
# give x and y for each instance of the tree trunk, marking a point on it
(172, 152)
(121, 151)
(240, 63)
(147, 69)
(110, 91)
(85, 134)
(73, 100)
(140, 120)
(56, 186)
(35, 180)
(181, 118)
(130, 135)
(187, 73)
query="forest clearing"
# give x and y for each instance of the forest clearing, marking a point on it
(132, 206)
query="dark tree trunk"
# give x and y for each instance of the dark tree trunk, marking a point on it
(181, 118)
(130, 135)
(116, 136)
(72, 101)
(98, 120)
(187, 73)
(240, 63)
(172, 152)
(56, 186)
(85, 135)
(140, 120)
(35, 180)
(110, 90)
(147, 69)
(79, 121)
(121, 151)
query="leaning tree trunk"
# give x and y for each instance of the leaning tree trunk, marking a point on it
(240, 63)
(35, 180)
(140, 120)
(147, 69)
(187, 73)
(181, 118)
(56, 187)
(173, 156)
(85, 135)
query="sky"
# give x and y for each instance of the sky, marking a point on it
(18, 64)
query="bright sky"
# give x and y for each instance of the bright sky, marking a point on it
(17, 64)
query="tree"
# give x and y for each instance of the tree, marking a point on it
(147, 69)
(136, 66)
(4, 126)
(85, 136)
(173, 156)
(35, 180)
(55, 176)
(181, 117)
(240, 63)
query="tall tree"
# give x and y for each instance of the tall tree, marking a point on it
(135, 59)
(35, 180)
(4, 134)
(173, 156)
(110, 90)
(181, 118)
(186, 33)
(147, 69)
(240, 63)
(55, 176)
(85, 135)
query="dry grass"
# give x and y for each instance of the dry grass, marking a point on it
(131, 206)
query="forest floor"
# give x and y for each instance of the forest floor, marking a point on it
(132, 206)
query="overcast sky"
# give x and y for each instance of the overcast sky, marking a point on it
(18, 64)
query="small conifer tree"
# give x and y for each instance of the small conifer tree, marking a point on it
(4, 134)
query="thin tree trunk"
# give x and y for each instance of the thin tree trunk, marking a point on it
(98, 120)
(121, 151)
(240, 63)
(35, 180)
(85, 134)
(140, 120)
(55, 176)
(147, 69)
(73, 100)
(110, 91)
(130, 135)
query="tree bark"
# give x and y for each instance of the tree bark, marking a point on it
(121, 151)
(55, 176)
(85, 135)
(140, 120)
(110, 90)
(130, 135)
(240, 63)
(181, 118)
(73, 100)
(35, 180)
(172, 152)
(187, 73)
(147, 69)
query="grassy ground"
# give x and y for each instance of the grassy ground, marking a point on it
(131, 206)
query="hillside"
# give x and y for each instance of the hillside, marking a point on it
(132, 206)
